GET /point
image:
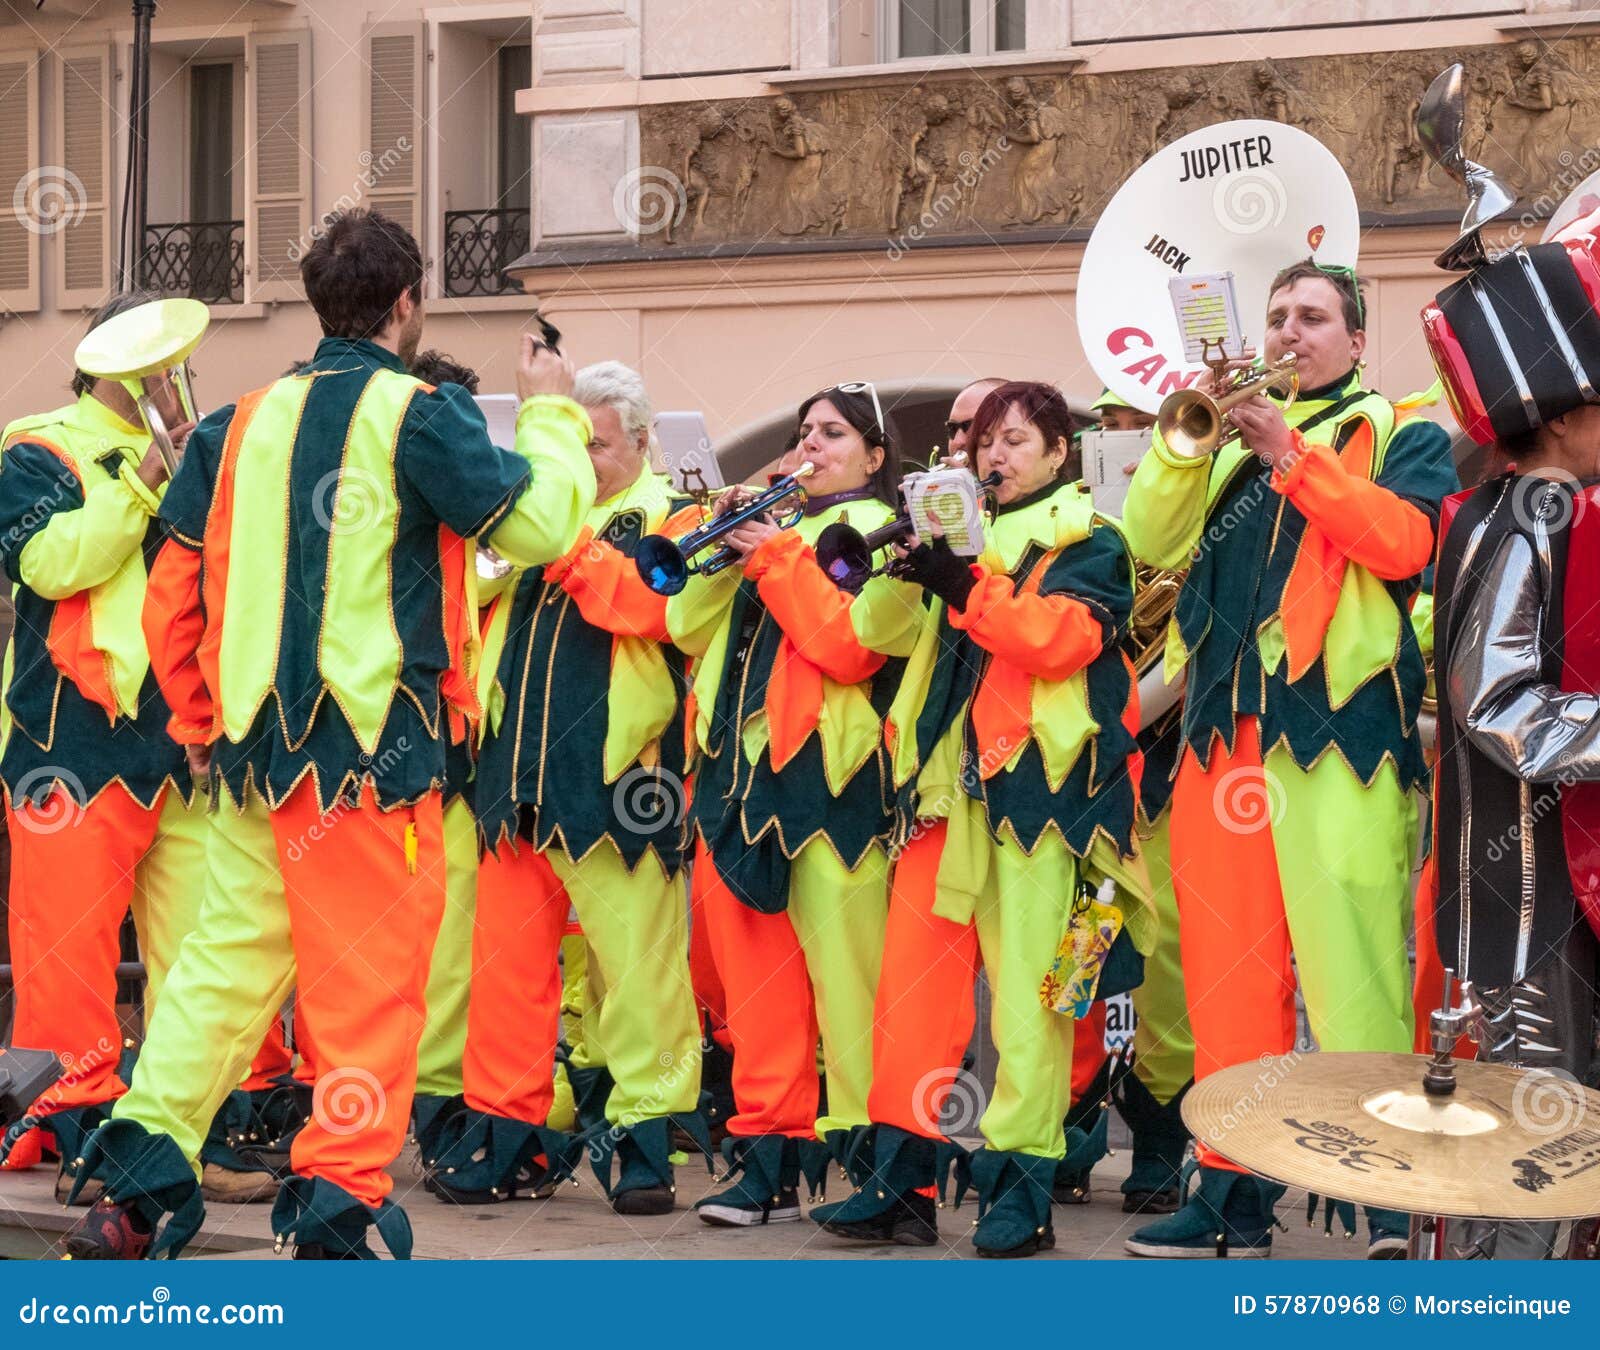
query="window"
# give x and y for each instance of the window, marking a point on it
(514, 144)
(480, 195)
(929, 28)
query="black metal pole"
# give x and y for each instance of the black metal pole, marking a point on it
(138, 144)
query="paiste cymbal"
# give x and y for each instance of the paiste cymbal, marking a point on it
(1507, 1144)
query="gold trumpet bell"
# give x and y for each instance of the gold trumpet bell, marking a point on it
(1193, 423)
(140, 349)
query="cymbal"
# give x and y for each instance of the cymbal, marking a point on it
(1507, 1144)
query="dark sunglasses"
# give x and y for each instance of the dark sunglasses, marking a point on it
(958, 428)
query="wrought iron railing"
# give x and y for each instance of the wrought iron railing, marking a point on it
(477, 247)
(200, 259)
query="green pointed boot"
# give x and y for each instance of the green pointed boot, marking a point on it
(1160, 1140)
(1228, 1214)
(767, 1189)
(893, 1202)
(1013, 1203)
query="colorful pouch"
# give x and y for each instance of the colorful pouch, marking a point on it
(1071, 982)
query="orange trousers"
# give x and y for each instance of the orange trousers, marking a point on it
(791, 977)
(75, 871)
(514, 1016)
(343, 907)
(1271, 862)
(926, 1006)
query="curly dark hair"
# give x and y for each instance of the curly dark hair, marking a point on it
(356, 271)
(436, 368)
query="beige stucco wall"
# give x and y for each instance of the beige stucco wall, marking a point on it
(735, 339)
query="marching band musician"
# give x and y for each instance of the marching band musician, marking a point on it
(579, 795)
(1149, 1092)
(1016, 725)
(324, 525)
(1518, 668)
(792, 803)
(102, 809)
(1292, 831)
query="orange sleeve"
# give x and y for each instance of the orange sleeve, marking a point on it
(609, 591)
(173, 626)
(1372, 526)
(1050, 636)
(813, 613)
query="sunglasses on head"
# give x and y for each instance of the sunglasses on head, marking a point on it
(1347, 275)
(866, 387)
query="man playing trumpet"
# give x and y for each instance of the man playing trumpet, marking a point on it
(1292, 832)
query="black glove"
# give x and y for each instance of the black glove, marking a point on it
(935, 568)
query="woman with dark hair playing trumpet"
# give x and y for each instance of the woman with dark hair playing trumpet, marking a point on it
(793, 802)
(1013, 735)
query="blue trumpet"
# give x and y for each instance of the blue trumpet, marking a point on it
(666, 564)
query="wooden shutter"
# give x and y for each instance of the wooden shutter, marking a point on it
(83, 122)
(19, 154)
(277, 227)
(392, 127)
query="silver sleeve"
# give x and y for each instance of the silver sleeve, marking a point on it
(1526, 725)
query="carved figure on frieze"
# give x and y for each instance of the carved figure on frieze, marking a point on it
(1531, 118)
(807, 203)
(914, 182)
(1402, 159)
(1033, 129)
(719, 163)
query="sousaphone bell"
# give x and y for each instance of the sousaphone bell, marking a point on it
(143, 349)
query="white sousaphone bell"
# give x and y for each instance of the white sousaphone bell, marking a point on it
(144, 348)
(1247, 197)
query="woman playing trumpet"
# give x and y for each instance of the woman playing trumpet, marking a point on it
(792, 803)
(1013, 734)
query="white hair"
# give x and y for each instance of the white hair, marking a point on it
(610, 384)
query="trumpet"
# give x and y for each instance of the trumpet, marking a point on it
(846, 554)
(1193, 423)
(666, 565)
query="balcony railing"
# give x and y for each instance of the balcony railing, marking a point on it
(477, 247)
(200, 259)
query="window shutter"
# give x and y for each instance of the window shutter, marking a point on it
(278, 161)
(20, 230)
(392, 129)
(83, 121)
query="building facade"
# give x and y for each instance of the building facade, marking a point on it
(746, 199)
